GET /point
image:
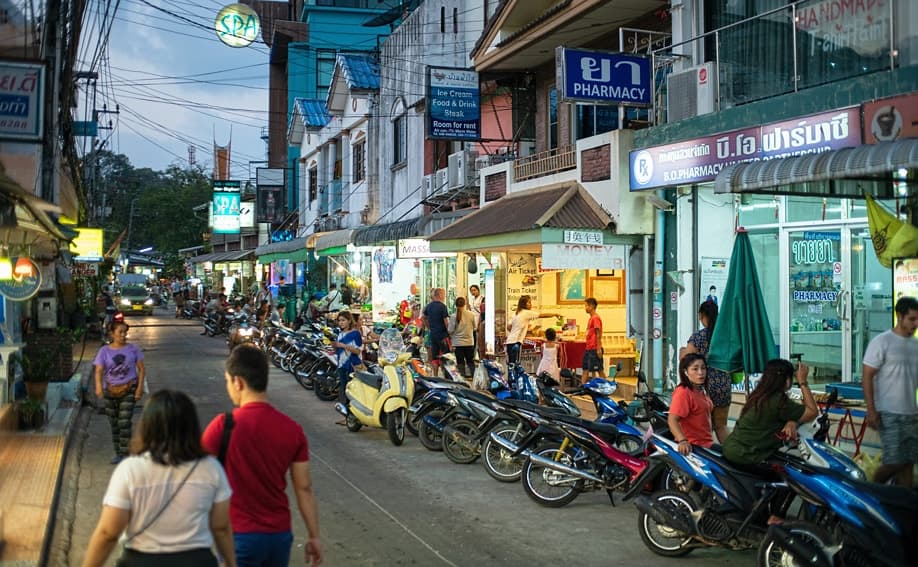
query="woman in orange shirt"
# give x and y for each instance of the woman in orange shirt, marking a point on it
(691, 407)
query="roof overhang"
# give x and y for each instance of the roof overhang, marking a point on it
(525, 33)
(881, 170)
(33, 222)
(334, 240)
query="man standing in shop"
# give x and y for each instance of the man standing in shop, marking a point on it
(592, 356)
(890, 379)
(436, 319)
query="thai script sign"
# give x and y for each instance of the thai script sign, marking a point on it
(603, 77)
(237, 25)
(453, 105)
(583, 256)
(22, 87)
(700, 160)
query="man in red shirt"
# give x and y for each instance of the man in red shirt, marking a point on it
(263, 445)
(592, 356)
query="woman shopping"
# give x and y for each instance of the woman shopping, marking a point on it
(718, 386)
(690, 410)
(462, 333)
(119, 377)
(769, 415)
(169, 501)
(519, 326)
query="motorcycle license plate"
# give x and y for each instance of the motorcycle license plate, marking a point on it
(137, 307)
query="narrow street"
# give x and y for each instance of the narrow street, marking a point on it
(379, 504)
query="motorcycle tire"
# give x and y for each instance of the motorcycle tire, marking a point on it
(549, 487)
(500, 464)
(771, 552)
(662, 539)
(273, 357)
(430, 438)
(395, 425)
(285, 363)
(352, 423)
(411, 424)
(303, 376)
(458, 444)
(210, 332)
(326, 388)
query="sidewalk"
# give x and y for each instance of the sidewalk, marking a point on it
(31, 466)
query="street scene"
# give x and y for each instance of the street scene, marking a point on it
(365, 282)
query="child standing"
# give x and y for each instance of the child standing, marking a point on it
(549, 362)
(592, 356)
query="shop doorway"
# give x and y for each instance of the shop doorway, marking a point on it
(838, 298)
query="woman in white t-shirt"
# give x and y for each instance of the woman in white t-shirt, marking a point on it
(169, 501)
(519, 326)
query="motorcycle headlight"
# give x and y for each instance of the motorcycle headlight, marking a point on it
(247, 332)
(125, 301)
(390, 356)
(149, 301)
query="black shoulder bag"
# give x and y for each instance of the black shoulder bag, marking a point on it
(225, 439)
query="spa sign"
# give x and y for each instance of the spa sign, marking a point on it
(237, 25)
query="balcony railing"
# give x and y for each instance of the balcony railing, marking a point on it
(788, 49)
(545, 163)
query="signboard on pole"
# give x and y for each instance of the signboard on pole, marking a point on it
(22, 96)
(453, 104)
(225, 207)
(603, 78)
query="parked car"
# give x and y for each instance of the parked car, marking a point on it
(135, 300)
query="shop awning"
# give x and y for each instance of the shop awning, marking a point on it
(876, 169)
(234, 256)
(30, 216)
(334, 242)
(388, 232)
(293, 250)
(525, 220)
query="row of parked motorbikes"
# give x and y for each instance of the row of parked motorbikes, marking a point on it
(810, 506)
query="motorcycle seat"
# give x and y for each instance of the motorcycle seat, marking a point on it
(608, 430)
(370, 379)
(476, 396)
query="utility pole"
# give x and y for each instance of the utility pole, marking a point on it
(52, 37)
(127, 242)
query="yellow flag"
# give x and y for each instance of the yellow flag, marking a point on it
(892, 238)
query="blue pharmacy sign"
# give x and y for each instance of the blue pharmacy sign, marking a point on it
(453, 109)
(604, 78)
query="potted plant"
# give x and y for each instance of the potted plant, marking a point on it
(31, 413)
(36, 371)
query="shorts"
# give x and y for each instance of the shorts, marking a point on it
(899, 437)
(263, 549)
(436, 349)
(591, 361)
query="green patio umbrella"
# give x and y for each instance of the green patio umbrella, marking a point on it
(742, 340)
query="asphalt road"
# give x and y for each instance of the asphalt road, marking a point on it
(378, 504)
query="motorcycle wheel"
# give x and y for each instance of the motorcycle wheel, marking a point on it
(285, 363)
(771, 553)
(662, 539)
(549, 487)
(210, 331)
(500, 464)
(303, 375)
(395, 424)
(275, 359)
(326, 387)
(427, 434)
(411, 424)
(352, 423)
(457, 442)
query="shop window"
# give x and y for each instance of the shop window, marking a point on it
(399, 140)
(325, 68)
(756, 210)
(768, 261)
(813, 209)
(590, 120)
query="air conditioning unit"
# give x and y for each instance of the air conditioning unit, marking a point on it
(440, 180)
(427, 185)
(332, 223)
(462, 168)
(691, 92)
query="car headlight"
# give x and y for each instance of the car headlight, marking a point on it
(125, 301)
(149, 301)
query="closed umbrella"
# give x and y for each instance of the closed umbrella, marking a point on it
(742, 339)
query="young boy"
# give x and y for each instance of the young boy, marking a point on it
(592, 357)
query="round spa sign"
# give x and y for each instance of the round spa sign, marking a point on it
(237, 25)
(21, 288)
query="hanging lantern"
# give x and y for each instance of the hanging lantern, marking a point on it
(23, 267)
(6, 268)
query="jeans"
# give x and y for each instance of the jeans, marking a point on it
(513, 353)
(344, 376)
(263, 550)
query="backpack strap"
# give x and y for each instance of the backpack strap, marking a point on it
(225, 439)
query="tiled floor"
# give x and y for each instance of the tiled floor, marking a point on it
(29, 465)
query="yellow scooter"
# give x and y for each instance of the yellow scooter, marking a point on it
(382, 398)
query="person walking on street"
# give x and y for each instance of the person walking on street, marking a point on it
(436, 320)
(119, 376)
(177, 297)
(169, 498)
(592, 355)
(262, 445)
(890, 379)
(462, 332)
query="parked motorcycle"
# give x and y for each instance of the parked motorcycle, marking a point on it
(381, 400)
(241, 332)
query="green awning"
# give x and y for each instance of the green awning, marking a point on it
(333, 251)
(295, 256)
